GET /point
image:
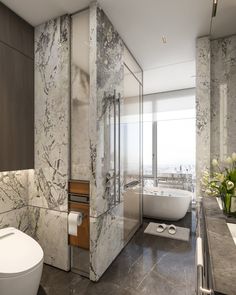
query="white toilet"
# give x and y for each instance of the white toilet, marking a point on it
(21, 263)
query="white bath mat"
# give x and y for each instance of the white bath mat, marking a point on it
(182, 233)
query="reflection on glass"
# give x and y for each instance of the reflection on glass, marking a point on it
(147, 148)
(131, 153)
(80, 152)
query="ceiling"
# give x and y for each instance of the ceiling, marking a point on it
(142, 24)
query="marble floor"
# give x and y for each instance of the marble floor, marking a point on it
(148, 265)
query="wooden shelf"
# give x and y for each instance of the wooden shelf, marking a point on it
(79, 187)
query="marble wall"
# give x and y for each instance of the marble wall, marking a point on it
(48, 198)
(106, 75)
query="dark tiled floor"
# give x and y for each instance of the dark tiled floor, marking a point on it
(149, 265)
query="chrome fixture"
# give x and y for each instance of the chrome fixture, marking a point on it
(202, 263)
(113, 177)
(214, 8)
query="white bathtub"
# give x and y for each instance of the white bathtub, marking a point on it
(165, 203)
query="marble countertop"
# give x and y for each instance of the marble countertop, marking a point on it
(222, 248)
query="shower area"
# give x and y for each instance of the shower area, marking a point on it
(106, 141)
(169, 120)
(131, 145)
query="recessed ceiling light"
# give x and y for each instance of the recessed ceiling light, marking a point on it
(214, 8)
(164, 40)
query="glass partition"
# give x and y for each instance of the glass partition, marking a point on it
(80, 148)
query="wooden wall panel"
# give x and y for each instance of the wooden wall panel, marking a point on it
(16, 92)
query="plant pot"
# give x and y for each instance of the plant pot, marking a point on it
(229, 205)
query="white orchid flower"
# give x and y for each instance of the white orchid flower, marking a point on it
(208, 191)
(229, 161)
(219, 177)
(215, 163)
(229, 185)
(234, 157)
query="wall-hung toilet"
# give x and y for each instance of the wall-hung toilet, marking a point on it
(21, 263)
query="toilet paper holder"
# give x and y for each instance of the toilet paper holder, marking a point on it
(82, 239)
(82, 213)
(75, 219)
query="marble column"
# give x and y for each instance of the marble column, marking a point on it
(203, 115)
(223, 97)
(48, 198)
(106, 75)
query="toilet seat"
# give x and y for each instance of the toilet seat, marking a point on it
(19, 253)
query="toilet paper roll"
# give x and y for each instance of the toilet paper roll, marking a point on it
(74, 220)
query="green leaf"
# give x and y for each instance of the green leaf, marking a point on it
(227, 202)
(232, 176)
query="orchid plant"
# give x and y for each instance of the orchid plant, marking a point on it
(221, 182)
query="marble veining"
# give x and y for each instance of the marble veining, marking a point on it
(48, 184)
(17, 218)
(13, 190)
(107, 240)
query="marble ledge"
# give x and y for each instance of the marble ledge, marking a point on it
(13, 190)
(17, 218)
(49, 228)
(222, 249)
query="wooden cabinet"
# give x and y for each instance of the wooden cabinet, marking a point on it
(16, 92)
(79, 190)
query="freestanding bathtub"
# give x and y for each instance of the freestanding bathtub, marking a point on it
(165, 203)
